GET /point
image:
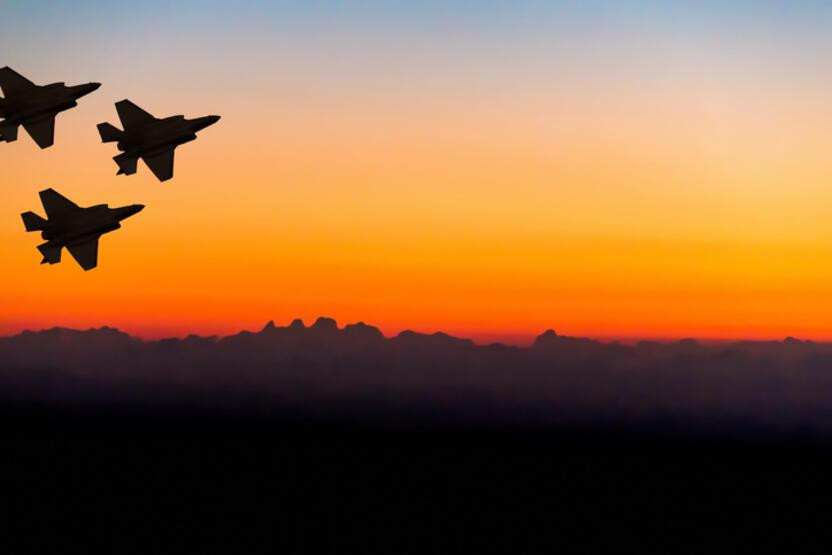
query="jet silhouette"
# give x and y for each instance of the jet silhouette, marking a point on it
(151, 139)
(78, 229)
(35, 107)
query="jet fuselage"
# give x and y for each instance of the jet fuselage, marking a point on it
(44, 101)
(86, 223)
(150, 139)
(74, 227)
(161, 135)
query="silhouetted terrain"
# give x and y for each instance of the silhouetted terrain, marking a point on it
(323, 375)
(321, 439)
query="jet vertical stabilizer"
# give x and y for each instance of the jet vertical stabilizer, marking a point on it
(51, 253)
(8, 133)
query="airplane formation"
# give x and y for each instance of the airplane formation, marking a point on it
(145, 137)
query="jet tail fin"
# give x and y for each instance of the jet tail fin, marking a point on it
(51, 254)
(33, 222)
(109, 133)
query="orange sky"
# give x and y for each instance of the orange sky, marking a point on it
(628, 192)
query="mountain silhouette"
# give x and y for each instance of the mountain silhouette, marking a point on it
(307, 418)
(323, 372)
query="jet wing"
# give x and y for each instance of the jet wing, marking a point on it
(42, 132)
(56, 204)
(86, 253)
(13, 83)
(131, 115)
(161, 165)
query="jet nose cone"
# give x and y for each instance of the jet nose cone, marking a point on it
(83, 90)
(202, 123)
(131, 210)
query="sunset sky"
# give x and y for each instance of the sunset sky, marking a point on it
(486, 168)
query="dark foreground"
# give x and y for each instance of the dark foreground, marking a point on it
(118, 480)
(319, 439)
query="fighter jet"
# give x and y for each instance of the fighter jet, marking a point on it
(35, 107)
(149, 138)
(78, 229)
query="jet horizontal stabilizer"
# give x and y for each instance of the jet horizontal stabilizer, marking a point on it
(8, 133)
(126, 164)
(109, 133)
(51, 254)
(33, 222)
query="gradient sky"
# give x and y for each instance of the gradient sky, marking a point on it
(491, 169)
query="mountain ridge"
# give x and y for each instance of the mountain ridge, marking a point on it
(323, 372)
(326, 325)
